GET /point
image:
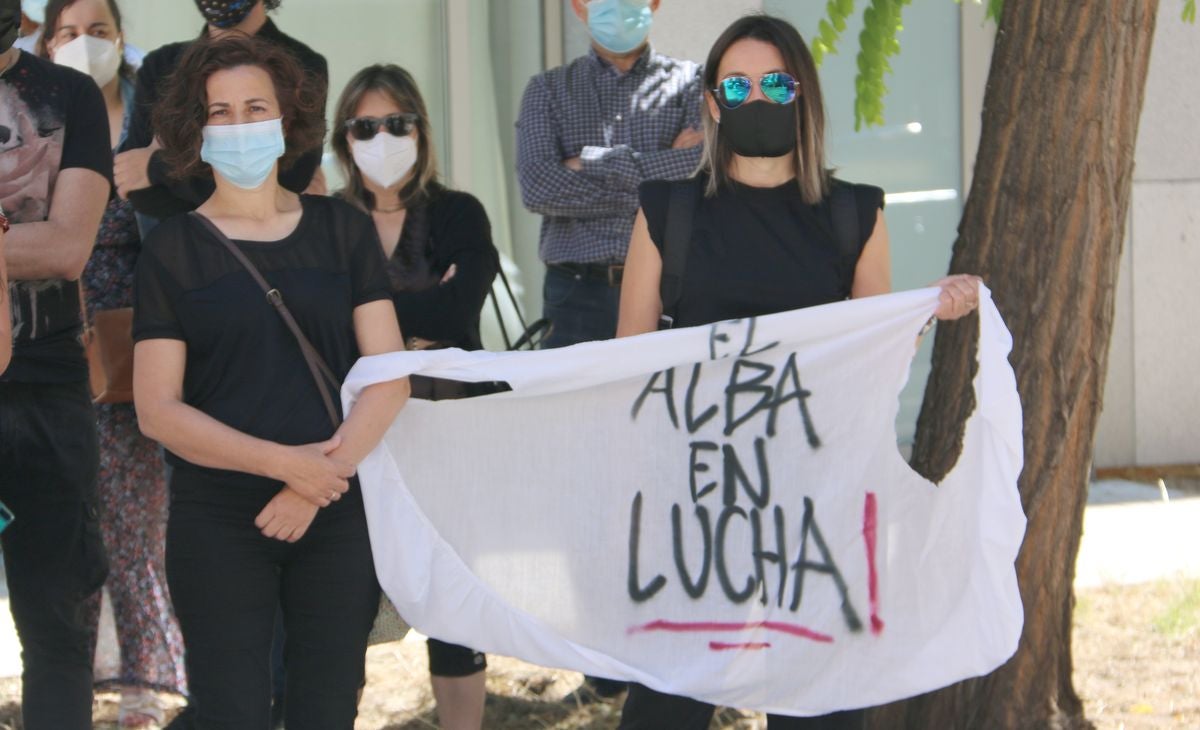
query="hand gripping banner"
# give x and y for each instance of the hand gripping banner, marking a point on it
(718, 512)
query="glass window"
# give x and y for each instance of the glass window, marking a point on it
(915, 156)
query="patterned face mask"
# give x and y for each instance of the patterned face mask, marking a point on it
(225, 13)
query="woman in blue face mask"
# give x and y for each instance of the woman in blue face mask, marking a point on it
(243, 310)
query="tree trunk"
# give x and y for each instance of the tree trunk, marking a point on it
(1043, 226)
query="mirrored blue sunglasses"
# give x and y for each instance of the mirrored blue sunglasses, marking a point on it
(733, 91)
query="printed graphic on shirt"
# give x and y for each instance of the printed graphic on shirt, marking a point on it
(32, 132)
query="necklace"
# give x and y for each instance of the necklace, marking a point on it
(397, 209)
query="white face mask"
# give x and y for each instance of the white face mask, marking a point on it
(384, 159)
(95, 57)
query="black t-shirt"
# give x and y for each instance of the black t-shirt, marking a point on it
(244, 367)
(757, 251)
(52, 118)
(167, 196)
(449, 228)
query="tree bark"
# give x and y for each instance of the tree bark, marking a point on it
(1043, 225)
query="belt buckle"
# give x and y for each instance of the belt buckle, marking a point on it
(614, 274)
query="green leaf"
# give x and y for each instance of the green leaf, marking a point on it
(1189, 11)
(830, 28)
(877, 42)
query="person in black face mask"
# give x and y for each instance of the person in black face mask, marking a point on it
(139, 172)
(770, 231)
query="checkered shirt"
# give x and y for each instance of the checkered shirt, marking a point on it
(621, 126)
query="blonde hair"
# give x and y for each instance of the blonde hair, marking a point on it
(398, 85)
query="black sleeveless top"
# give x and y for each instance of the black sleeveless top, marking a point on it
(757, 251)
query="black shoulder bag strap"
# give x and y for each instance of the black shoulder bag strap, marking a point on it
(844, 210)
(681, 209)
(316, 364)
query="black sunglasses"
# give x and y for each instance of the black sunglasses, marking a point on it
(397, 125)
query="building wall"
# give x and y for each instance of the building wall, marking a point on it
(1152, 400)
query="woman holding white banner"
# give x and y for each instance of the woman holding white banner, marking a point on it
(762, 228)
(266, 509)
(441, 263)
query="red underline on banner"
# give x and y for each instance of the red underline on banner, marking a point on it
(722, 646)
(688, 626)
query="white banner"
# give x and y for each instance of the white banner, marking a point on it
(719, 512)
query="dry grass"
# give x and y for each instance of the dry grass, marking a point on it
(1137, 655)
(1136, 648)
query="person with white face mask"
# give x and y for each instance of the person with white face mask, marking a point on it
(441, 262)
(33, 17)
(86, 35)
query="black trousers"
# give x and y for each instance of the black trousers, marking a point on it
(227, 582)
(646, 709)
(53, 554)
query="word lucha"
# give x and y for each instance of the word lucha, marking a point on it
(731, 533)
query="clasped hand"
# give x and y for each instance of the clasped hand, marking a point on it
(313, 479)
(314, 474)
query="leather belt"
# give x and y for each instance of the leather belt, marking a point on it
(608, 273)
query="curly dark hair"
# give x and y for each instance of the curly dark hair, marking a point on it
(182, 112)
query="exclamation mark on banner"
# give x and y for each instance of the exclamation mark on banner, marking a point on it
(870, 521)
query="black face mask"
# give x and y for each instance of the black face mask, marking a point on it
(225, 13)
(760, 128)
(10, 23)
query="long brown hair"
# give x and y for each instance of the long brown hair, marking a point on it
(54, 11)
(399, 86)
(809, 156)
(182, 113)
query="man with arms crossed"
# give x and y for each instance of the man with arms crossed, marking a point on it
(588, 134)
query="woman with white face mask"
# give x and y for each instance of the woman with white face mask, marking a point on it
(441, 263)
(86, 35)
(438, 241)
(242, 309)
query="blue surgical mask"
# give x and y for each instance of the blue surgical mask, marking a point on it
(243, 154)
(619, 25)
(35, 10)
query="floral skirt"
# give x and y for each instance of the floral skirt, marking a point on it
(133, 520)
